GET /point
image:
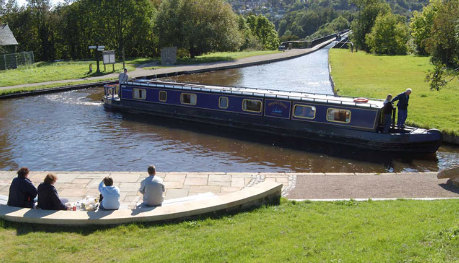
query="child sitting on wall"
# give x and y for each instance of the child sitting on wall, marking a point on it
(110, 195)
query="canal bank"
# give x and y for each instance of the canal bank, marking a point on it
(297, 186)
(142, 73)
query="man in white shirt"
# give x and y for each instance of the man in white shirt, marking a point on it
(152, 188)
(123, 77)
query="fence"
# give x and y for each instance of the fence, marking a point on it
(13, 60)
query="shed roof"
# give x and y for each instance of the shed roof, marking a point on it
(6, 36)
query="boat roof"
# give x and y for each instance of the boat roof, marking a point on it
(264, 93)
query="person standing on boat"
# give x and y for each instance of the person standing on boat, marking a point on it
(387, 111)
(402, 106)
(152, 188)
(123, 77)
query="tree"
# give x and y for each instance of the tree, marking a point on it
(388, 36)
(199, 26)
(264, 30)
(338, 24)
(2, 8)
(249, 41)
(421, 26)
(368, 10)
(443, 42)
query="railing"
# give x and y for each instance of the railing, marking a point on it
(13, 60)
(265, 93)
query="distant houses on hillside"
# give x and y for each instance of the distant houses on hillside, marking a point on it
(265, 7)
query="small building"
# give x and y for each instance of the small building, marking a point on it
(8, 43)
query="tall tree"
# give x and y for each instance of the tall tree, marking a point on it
(388, 36)
(264, 30)
(443, 44)
(368, 10)
(199, 26)
(421, 25)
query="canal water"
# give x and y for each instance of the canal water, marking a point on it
(72, 131)
(308, 73)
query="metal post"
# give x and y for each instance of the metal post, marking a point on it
(393, 117)
(124, 64)
(97, 58)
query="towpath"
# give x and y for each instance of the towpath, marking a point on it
(141, 72)
(312, 186)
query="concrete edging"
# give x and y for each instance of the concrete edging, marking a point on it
(263, 193)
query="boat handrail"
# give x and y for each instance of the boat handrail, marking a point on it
(289, 95)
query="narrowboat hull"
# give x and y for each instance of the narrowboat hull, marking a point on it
(411, 141)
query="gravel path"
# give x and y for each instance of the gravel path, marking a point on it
(356, 186)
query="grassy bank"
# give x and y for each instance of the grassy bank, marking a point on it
(224, 56)
(364, 75)
(383, 231)
(53, 71)
(46, 71)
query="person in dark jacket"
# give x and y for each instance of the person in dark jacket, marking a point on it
(22, 191)
(402, 106)
(387, 111)
(47, 195)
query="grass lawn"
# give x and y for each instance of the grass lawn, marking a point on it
(349, 231)
(46, 71)
(365, 75)
(224, 56)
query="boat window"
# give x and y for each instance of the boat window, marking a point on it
(188, 98)
(223, 103)
(139, 94)
(304, 112)
(339, 115)
(251, 105)
(163, 96)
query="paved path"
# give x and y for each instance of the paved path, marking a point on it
(77, 185)
(142, 72)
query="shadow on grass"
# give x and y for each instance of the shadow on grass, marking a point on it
(98, 74)
(26, 228)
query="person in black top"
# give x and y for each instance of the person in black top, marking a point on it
(387, 111)
(47, 195)
(22, 191)
(402, 106)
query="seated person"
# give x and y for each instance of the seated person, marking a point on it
(110, 195)
(47, 195)
(152, 188)
(22, 191)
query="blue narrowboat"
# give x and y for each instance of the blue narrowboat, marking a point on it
(347, 121)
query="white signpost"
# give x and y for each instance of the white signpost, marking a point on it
(109, 58)
(99, 48)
